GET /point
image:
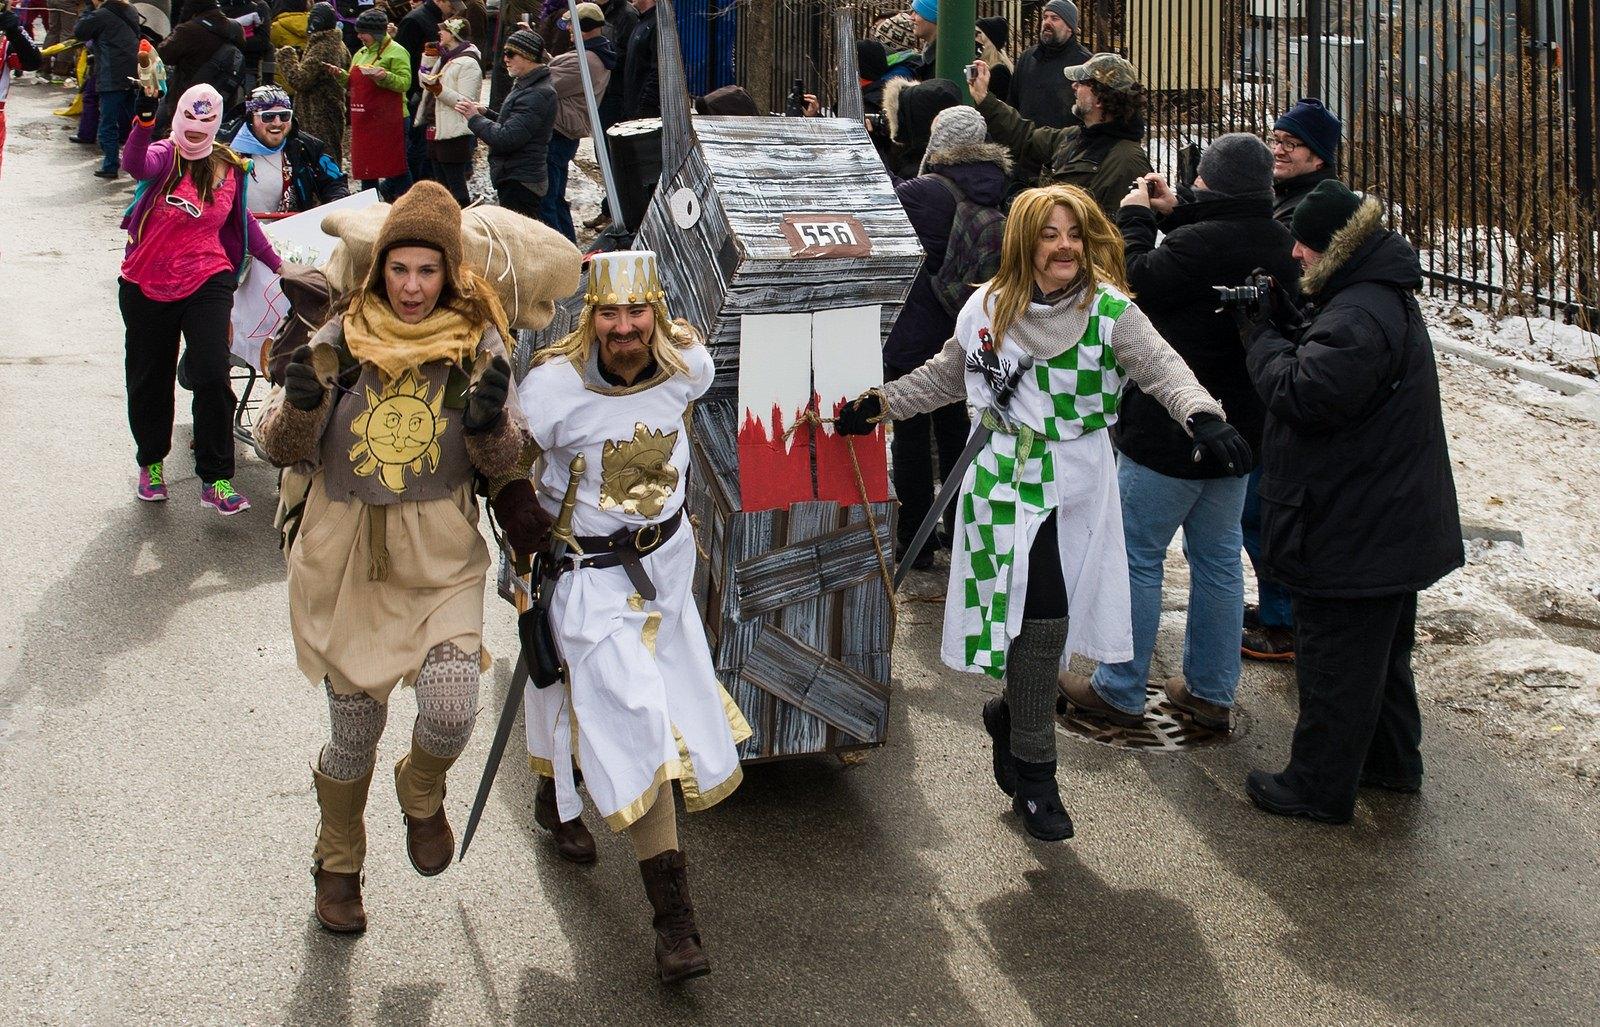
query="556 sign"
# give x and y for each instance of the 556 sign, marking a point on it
(826, 235)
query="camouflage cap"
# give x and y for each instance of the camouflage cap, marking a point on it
(1108, 69)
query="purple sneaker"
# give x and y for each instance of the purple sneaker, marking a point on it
(220, 496)
(151, 488)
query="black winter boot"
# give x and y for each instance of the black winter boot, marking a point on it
(1038, 802)
(997, 721)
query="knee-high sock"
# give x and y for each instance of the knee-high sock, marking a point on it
(657, 831)
(447, 700)
(1031, 667)
(358, 722)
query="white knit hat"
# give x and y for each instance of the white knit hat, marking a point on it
(953, 127)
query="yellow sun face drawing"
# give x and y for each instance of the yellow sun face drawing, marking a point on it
(398, 431)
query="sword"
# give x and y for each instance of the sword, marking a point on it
(548, 563)
(952, 481)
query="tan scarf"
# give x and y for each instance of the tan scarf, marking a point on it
(376, 335)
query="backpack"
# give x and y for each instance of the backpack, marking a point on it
(224, 70)
(973, 254)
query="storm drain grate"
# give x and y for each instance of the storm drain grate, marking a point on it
(1165, 729)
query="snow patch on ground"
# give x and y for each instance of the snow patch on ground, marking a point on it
(1564, 347)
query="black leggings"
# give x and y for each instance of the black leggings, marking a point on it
(1047, 590)
(454, 177)
(151, 365)
(519, 197)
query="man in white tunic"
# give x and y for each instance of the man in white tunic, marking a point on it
(642, 706)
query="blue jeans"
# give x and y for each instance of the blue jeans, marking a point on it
(553, 208)
(1273, 598)
(116, 110)
(1154, 507)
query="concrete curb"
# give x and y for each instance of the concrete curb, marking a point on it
(1549, 377)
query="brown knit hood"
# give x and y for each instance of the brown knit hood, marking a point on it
(427, 215)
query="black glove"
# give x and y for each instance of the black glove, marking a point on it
(525, 523)
(146, 105)
(1219, 438)
(859, 416)
(301, 386)
(487, 400)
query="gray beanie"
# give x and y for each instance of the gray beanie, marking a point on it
(1067, 11)
(373, 22)
(1237, 164)
(953, 127)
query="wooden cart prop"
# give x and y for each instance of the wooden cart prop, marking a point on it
(783, 241)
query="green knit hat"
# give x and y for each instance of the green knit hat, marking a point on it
(1325, 210)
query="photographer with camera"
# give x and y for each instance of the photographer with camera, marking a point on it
(1214, 241)
(1358, 504)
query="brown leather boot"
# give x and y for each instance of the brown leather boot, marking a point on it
(678, 953)
(573, 841)
(419, 783)
(340, 850)
(1202, 711)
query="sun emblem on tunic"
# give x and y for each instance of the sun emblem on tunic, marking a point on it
(399, 430)
(636, 475)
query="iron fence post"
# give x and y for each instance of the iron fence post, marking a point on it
(1313, 57)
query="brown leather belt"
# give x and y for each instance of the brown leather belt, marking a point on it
(625, 548)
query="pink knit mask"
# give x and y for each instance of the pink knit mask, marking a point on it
(199, 109)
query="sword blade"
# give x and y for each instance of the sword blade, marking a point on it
(502, 732)
(947, 491)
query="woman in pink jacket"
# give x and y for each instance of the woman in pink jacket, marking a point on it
(188, 237)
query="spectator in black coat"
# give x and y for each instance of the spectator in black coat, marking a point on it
(621, 20)
(257, 35)
(959, 164)
(1039, 88)
(197, 51)
(1358, 503)
(909, 108)
(1305, 152)
(1219, 238)
(641, 88)
(518, 136)
(113, 28)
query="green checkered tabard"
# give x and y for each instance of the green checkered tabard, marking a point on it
(1083, 386)
(1001, 483)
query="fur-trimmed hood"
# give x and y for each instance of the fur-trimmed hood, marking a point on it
(967, 153)
(1367, 221)
(910, 107)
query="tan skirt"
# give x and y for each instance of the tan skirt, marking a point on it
(368, 636)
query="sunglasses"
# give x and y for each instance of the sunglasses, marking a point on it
(270, 116)
(188, 207)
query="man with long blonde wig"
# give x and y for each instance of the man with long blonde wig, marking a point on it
(1039, 519)
(641, 706)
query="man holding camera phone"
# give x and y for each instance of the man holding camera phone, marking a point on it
(1101, 156)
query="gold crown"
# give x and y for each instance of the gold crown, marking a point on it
(626, 277)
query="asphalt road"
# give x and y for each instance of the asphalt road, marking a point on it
(157, 812)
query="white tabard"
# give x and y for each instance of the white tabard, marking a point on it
(644, 704)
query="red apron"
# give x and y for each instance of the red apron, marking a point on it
(377, 129)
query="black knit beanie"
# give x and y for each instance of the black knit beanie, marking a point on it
(1325, 210)
(527, 43)
(322, 18)
(997, 30)
(373, 22)
(1237, 164)
(1313, 124)
(872, 60)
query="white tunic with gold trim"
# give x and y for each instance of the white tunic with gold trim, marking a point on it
(644, 705)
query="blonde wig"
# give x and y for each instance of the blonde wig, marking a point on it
(669, 337)
(1011, 289)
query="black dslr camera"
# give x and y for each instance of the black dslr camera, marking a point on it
(1248, 297)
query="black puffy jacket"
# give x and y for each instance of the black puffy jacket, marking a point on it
(1216, 240)
(113, 28)
(519, 136)
(1357, 497)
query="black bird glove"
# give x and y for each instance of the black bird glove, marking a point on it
(1219, 438)
(860, 415)
(145, 105)
(301, 386)
(525, 523)
(487, 400)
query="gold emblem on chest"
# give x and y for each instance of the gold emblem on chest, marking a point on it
(636, 475)
(399, 430)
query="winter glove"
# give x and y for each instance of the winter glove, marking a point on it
(146, 105)
(524, 521)
(1219, 438)
(301, 386)
(487, 400)
(859, 416)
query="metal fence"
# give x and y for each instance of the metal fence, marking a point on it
(1474, 119)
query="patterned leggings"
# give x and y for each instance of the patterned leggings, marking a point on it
(447, 706)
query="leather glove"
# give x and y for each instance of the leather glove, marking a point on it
(525, 523)
(301, 386)
(145, 106)
(1219, 438)
(859, 416)
(487, 400)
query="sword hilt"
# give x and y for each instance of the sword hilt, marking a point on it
(561, 535)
